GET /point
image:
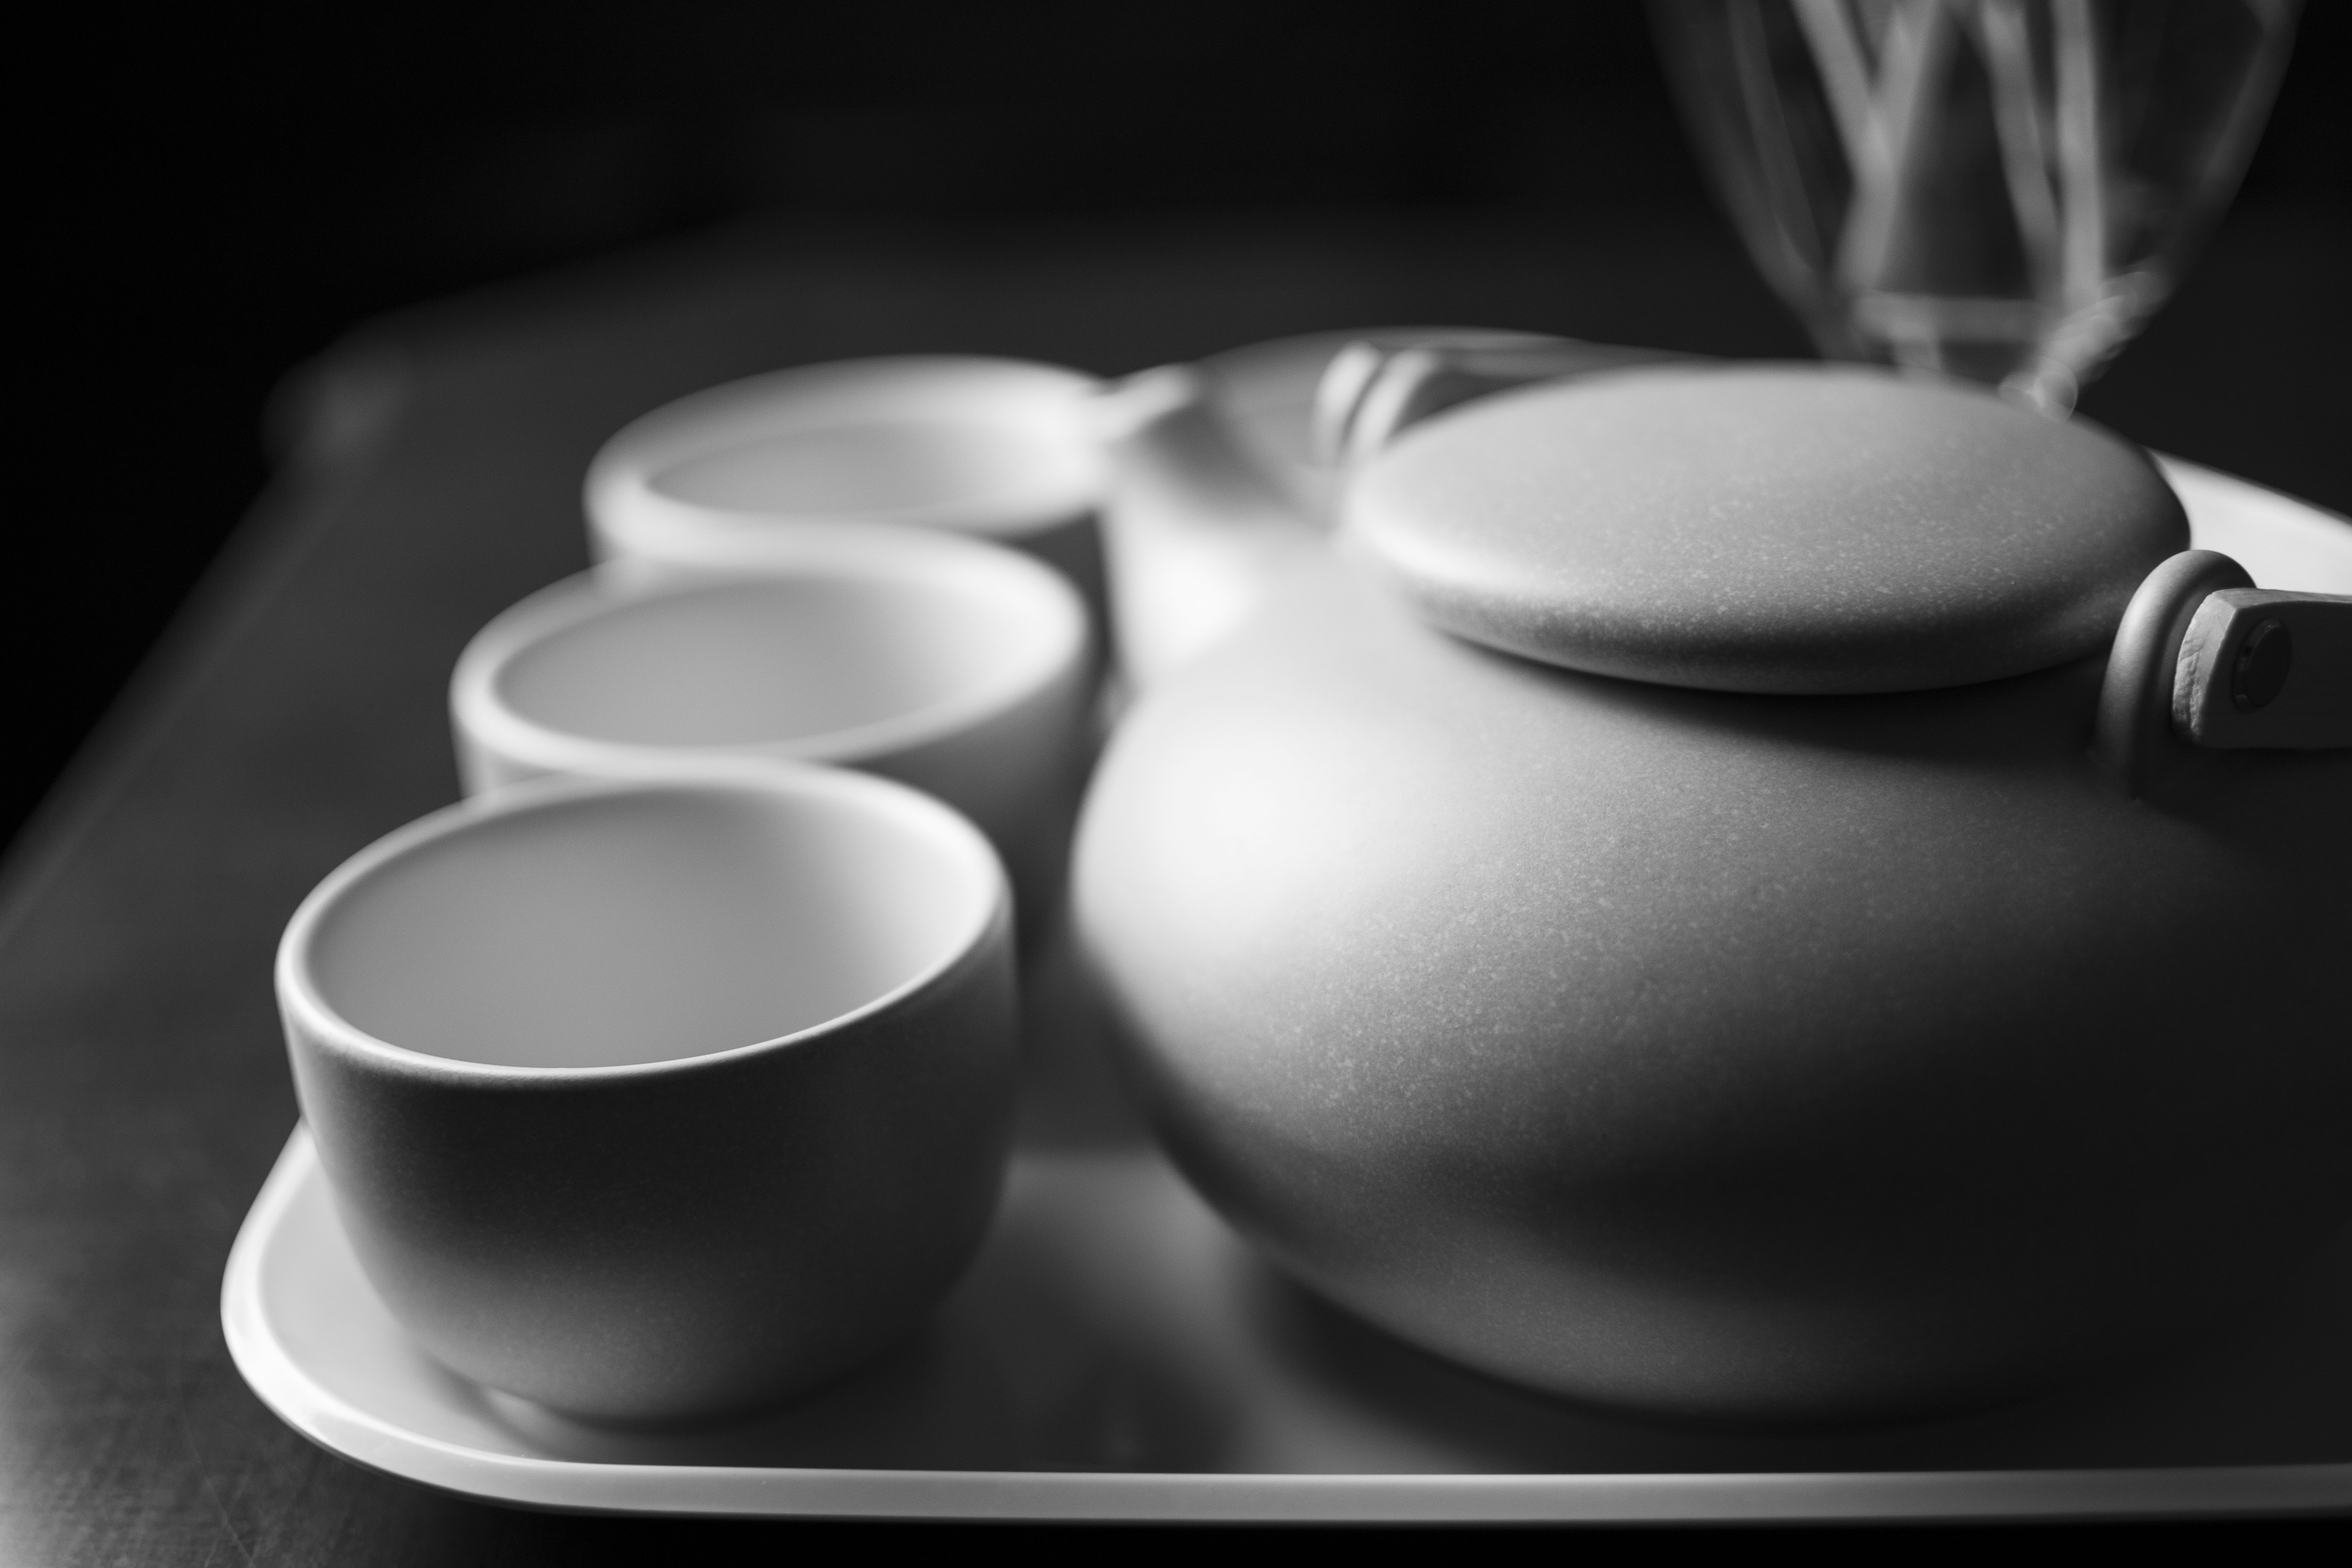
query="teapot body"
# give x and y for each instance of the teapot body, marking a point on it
(1720, 1055)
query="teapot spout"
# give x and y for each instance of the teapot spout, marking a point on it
(1202, 520)
(1194, 535)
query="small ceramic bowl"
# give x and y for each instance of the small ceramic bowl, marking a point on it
(649, 1102)
(959, 668)
(994, 449)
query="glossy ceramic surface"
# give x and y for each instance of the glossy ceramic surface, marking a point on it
(650, 1102)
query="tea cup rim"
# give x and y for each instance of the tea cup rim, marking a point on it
(628, 514)
(1049, 608)
(307, 1009)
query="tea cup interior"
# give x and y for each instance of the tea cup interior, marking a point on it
(812, 664)
(888, 471)
(612, 928)
(966, 444)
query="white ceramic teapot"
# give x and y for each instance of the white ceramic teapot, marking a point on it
(1775, 893)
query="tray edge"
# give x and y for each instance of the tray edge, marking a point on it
(568, 1486)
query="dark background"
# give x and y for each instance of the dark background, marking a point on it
(206, 202)
(215, 198)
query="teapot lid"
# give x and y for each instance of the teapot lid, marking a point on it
(1798, 529)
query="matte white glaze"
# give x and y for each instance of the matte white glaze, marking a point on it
(660, 1100)
(1750, 1057)
(955, 666)
(994, 449)
(1801, 529)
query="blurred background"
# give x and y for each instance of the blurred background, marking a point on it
(216, 195)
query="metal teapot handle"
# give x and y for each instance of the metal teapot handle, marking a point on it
(2206, 661)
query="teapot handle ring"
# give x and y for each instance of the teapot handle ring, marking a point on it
(2132, 737)
(2176, 681)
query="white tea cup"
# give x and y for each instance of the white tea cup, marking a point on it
(649, 1102)
(959, 668)
(1002, 449)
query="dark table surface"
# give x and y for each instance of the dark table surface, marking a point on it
(295, 712)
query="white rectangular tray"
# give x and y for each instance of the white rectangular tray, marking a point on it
(1118, 1354)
